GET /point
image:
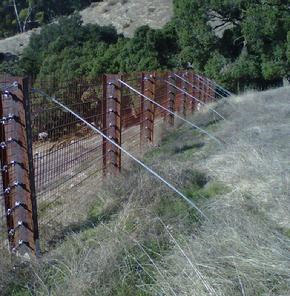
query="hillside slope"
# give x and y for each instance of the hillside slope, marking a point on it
(243, 249)
(125, 15)
(139, 238)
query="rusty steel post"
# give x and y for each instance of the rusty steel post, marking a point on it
(142, 115)
(184, 100)
(27, 108)
(211, 91)
(104, 123)
(112, 124)
(17, 169)
(148, 88)
(171, 95)
(189, 76)
(205, 84)
(198, 88)
(206, 98)
(200, 91)
(204, 92)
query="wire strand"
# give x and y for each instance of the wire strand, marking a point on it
(219, 86)
(124, 151)
(172, 113)
(192, 85)
(193, 97)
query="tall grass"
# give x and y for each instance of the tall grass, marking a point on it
(138, 238)
(244, 249)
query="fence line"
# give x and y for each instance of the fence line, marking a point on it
(82, 139)
(124, 151)
(188, 94)
(194, 86)
(172, 113)
(219, 87)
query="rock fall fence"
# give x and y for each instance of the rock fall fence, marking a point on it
(47, 154)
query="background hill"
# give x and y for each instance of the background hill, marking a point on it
(128, 15)
(125, 15)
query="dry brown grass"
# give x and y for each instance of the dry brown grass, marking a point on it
(140, 239)
(244, 248)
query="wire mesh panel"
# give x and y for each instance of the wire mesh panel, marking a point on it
(131, 112)
(65, 151)
(68, 157)
(161, 93)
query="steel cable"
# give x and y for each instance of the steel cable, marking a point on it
(194, 86)
(172, 113)
(219, 86)
(193, 97)
(125, 152)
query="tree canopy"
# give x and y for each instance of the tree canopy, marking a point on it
(241, 43)
(253, 47)
(20, 15)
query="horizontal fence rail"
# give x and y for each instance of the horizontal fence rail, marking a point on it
(74, 143)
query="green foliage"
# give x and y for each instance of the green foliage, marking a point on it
(215, 65)
(265, 29)
(33, 13)
(16, 290)
(196, 38)
(251, 50)
(11, 67)
(66, 50)
(7, 19)
(148, 50)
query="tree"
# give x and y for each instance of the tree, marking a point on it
(67, 49)
(253, 37)
(237, 42)
(21, 15)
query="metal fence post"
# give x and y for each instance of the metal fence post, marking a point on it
(104, 123)
(211, 91)
(17, 168)
(190, 78)
(200, 86)
(184, 86)
(112, 96)
(148, 88)
(142, 113)
(206, 91)
(27, 107)
(197, 84)
(171, 99)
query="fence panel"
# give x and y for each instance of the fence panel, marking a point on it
(66, 153)
(69, 159)
(112, 124)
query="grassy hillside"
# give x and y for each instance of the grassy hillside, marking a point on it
(138, 238)
(125, 15)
